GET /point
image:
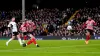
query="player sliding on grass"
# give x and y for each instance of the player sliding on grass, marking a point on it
(13, 27)
(90, 23)
(29, 27)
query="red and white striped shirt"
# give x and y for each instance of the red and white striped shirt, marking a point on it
(23, 27)
(90, 24)
(31, 26)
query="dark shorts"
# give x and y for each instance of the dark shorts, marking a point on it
(30, 33)
(25, 33)
(15, 33)
(91, 31)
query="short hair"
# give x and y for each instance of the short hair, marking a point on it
(13, 17)
(89, 17)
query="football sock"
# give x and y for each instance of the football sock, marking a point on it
(29, 42)
(9, 40)
(20, 41)
(23, 41)
(34, 41)
(87, 38)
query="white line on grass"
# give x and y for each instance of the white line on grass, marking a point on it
(12, 50)
(70, 52)
(56, 52)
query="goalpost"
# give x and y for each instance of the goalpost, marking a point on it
(23, 9)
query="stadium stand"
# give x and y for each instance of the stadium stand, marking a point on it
(51, 22)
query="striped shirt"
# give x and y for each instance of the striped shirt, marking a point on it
(90, 24)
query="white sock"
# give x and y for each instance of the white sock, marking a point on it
(20, 41)
(23, 41)
(36, 44)
(9, 40)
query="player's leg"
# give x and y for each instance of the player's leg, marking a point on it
(24, 36)
(19, 39)
(32, 40)
(13, 37)
(87, 37)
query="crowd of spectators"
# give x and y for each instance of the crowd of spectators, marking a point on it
(51, 22)
(82, 16)
(46, 20)
(78, 21)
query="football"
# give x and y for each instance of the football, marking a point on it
(24, 44)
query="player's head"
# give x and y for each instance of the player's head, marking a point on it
(23, 22)
(26, 20)
(89, 18)
(13, 19)
(30, 21)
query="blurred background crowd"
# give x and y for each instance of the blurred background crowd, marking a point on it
(51, 22)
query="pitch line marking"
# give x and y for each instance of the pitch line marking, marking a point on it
(12, 50)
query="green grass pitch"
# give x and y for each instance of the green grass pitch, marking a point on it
(51, 48)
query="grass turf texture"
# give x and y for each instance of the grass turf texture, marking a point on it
(52, 48)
